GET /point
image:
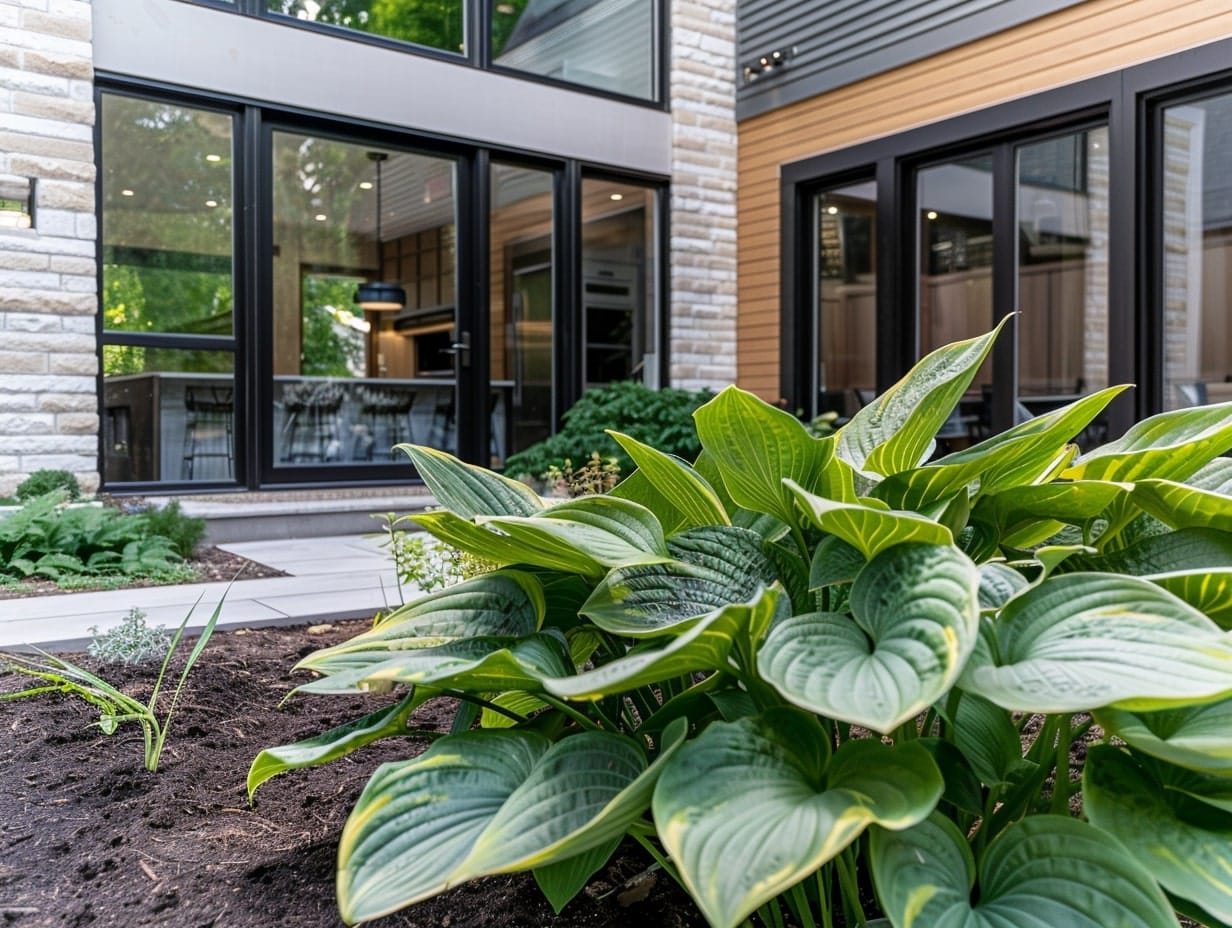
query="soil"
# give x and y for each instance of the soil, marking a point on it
(89, 838)
(208, 564)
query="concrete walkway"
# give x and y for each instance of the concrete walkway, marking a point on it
(332, 578)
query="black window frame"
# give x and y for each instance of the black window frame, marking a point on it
(254, 123)
(1128, 101)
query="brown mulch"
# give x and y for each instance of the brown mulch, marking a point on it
(209, 564)
(89, 838)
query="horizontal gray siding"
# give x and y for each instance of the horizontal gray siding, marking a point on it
(839, 42)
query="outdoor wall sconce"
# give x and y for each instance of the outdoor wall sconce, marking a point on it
(16, 202)
(768, 63)
(379, 295)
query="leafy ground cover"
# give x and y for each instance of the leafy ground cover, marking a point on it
(89, 838)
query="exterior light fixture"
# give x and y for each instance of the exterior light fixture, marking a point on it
(766, 64)
(832, 210)
(617, 197)
(379, 295)
(932, 214)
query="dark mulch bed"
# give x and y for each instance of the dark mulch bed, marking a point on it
(209, 564)
(89, 838)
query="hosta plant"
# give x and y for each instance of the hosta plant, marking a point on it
(833, 675)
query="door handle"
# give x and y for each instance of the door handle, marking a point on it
(461, 349)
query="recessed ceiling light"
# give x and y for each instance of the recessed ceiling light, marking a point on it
(127, 193)
(617, 196)
(932, 214)
(214, 158)
(211, 203)
(320, 217)
(832, 210)
(365, 185)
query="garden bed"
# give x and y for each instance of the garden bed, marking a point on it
(88, 837)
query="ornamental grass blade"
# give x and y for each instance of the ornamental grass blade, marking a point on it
(1196, 737)
(705, 646)
(867, 528)
(1083, 640)
(1185, 843)
(915, 614)
(1045, 870)
(691, 495)
(1170, 446)
(749, 808)
(895, 432)
(468, 490)
(755, 446)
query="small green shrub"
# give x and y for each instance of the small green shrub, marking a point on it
(184, 532)
(661, 418)
(133, 641)
(42, 482)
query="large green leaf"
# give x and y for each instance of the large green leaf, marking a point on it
(915, 615)
(834, 561)
(867, 528)
(1081, 641)
(468, 490)
(1169, 446)
(1215, 477)
(1046, 871)
(988, 739)
(1208, 591)
(755, 447)
(482, 542)
(638, 488)
(895, 432)
(1186, 549)
(1183, 506)
(999, 583)
(749, 808)
(417, 820)
(631, 522)
(337, 742)
(1197, 737)
(1074, 503)
(561, 880)
(703, 647)
(1185, 843)
(689, 492)
(714, 566)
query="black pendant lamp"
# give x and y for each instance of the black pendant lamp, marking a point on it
(379, 295)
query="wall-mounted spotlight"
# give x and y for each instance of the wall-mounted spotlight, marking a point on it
(767, 64)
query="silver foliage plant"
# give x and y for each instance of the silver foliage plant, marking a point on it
(810, 672)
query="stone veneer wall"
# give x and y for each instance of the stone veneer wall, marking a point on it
(48, 288)
(702, 253)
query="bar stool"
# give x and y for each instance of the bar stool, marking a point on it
(208, 428)
(385, 420)
(312, 417)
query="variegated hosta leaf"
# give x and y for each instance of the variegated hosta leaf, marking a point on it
(749, 808)
(337, 742)
(502, 603)
(1185, 843)
(895, 432)
(474, 665)
(1215, 477)
(1208, 591)
(916, 613)
(478, 540)
(631, 522)
(468, 490)
(999, 583)
(638, 488)
(561, 880)
(703, 647)
(1046, 871)
(755, 446)
(1026, 506)
(1186, 549)
(867, 528)
(689, 492)
(1170, 446)
(1016, 457)
(1197, 737)
(487, 802)
(1183, 506)
(1080, 641)
(714, 567)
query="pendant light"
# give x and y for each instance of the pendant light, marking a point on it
(379, 295)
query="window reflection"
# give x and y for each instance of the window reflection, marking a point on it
(1197, 252)
(439, 24)
(608, 44)
(846, 297)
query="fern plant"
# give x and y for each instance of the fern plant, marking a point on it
(826, 674)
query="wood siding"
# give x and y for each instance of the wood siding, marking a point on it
(1093, 38)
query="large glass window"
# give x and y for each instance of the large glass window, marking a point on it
(522, 306)
(1196, 234)
(619, 286)
(608, 44)
(352, 379)
(846, 297)
(439, 24)
(167, 292)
